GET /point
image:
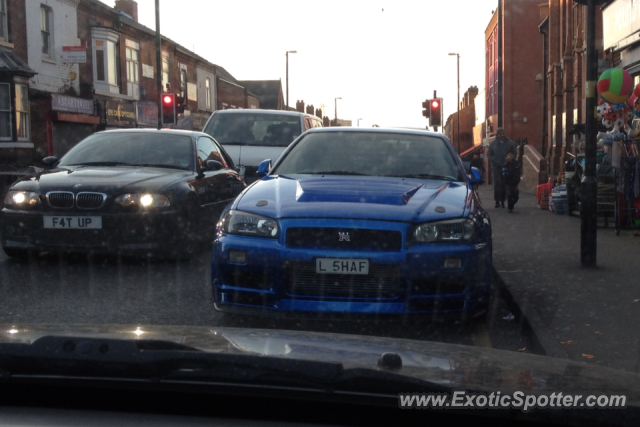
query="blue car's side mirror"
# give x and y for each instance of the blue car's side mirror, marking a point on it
(476, 176)
(264, 168)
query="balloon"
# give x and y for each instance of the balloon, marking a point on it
(636, 91)
(615, 85)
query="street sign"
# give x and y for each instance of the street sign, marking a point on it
(74, 54)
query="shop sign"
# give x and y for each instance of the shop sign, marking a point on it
(72, 104)
(74, 54)
(147, 113)
(620, 20)
(121, 114)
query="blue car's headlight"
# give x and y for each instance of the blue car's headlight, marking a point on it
(456, 230)
(21, 199)
(249, 224)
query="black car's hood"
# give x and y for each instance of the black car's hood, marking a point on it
(455, 366)
(100, 178)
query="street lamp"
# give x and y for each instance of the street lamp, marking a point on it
(458, 117)
(287, 54)
(336, 110)
(359, 122)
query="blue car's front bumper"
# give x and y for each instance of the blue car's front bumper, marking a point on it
(279, 280)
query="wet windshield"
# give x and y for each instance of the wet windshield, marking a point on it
(360, 196)
(371, 154)
(254, 129)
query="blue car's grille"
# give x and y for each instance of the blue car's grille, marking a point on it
(344, 239)
(381, 282)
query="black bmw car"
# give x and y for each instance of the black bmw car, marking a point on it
(122, 191)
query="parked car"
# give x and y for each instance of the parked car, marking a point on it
(122, 191)
(371, 221)
(251, 136)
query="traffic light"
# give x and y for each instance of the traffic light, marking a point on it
(435, 112)
(168, 109)
(425, 105)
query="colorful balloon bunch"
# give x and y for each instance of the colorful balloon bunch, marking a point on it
(619, 101)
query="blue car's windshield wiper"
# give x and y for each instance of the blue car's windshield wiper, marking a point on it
(339, 173)
(425, 175)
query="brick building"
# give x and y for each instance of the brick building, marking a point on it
(514, 92)
(16, 144)
(467, 122)
(562, 28)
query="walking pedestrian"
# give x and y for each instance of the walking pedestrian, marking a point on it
(497, 154)
(511, 173)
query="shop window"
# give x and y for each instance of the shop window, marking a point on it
(22, 112)
(5, 112)
(4, 35)
(46, 31)
(208, 93)
(133, 69)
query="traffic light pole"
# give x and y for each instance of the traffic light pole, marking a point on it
(159, 64)
(435, 128)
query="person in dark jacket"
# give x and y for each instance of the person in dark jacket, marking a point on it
(497, 153)
(511, 172)
(477, 162)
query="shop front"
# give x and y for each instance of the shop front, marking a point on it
(71, 120)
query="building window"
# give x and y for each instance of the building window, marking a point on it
(165, 74)
(5, 112)
(208, 94)
(45, 29)
(183, 85)
(133, 69)
(22, 111)
(106, 53)
(3, 20)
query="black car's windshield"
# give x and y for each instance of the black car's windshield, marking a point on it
(132, 148)
(254, 129)
(371, 153)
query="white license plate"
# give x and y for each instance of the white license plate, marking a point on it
(73, 222)
(342, 266)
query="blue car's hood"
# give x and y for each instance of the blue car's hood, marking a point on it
(381, 198)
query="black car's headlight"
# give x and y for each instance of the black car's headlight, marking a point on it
(249, 224)
(449, 231)
(143, 200)
(21, 199)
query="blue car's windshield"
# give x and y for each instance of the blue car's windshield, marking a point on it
(366, 153)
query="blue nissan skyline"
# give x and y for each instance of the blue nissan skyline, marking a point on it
(357, 221)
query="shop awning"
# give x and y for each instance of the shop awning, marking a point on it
(471, 151)
(11, 63)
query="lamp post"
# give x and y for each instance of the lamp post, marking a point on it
(336, 110)
(359, 122)
(287, 54)
(458, 116)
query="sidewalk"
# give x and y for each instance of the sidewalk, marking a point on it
(587, 315)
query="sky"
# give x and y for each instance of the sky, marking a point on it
(382, 57)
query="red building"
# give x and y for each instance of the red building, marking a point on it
(514, 91)
(467, 122)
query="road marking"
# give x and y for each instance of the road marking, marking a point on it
(480, 335)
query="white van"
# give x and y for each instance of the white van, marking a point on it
(251, 136)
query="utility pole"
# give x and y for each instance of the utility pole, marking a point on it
(589, 185)
(159, 64)
(435, 128)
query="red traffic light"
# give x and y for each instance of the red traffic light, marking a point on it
(167, 99)
(435, 103)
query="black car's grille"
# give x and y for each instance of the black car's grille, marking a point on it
(90, 200)
(381, 282)
(344, 238)
(60, 199)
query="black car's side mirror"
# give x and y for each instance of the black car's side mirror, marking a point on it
(50, 160)
(213, 165)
